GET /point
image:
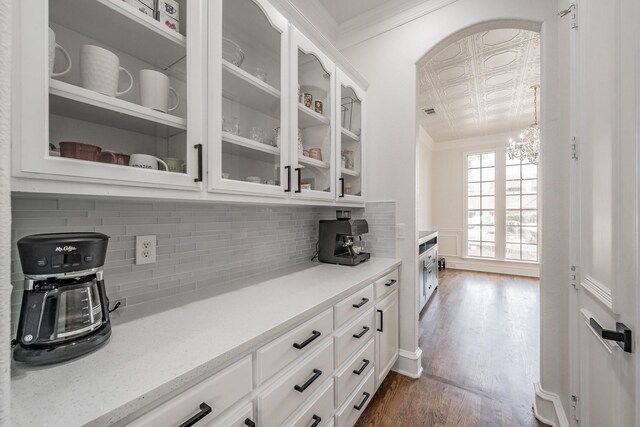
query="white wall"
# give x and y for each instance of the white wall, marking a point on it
(424, 183)
(448, 205)
(388, 61)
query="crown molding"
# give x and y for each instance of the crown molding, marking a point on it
(384, 18)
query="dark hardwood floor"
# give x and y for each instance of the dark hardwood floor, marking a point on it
(479, 336)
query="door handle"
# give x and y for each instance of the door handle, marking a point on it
(204, 411)
(363, 302)
(299, 190)
(303, 387)
(622, 335)
(198, 147)
(381, 328)
(341, 187)
(288, 189)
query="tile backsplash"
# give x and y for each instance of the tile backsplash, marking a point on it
(198, 244)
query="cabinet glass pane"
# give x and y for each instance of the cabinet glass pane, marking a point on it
(133, 116)
(351, 145)
(251, 58)
(314, 123)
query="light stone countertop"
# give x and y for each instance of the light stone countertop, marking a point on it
(158, 347)
(425, 235)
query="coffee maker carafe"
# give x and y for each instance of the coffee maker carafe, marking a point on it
(339, 240)
(65, 309)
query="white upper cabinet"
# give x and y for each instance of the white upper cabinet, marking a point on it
(312, 127)
(124, 90)
(249, 80)
(349, 120)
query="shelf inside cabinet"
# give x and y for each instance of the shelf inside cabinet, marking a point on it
(348, 136)
(243, 88)
(308, 118)
(122, 27)
(249, 145)
(349, 172)
(304, 160)
(83, 104)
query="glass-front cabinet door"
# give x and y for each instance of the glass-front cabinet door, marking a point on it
(111, 91)
(247, 124)
(312, 125)
(349, 139)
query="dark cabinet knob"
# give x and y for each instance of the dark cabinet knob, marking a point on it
(363, 302)
(204, 411)
(313, 337)
(362, 403)
(365, 329)
(315, 376)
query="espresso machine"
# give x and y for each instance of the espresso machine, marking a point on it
(340, 240)
(65, 309)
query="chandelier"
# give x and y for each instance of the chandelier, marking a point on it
(527, 146)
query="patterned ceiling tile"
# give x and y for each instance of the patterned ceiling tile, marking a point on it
(480, 84)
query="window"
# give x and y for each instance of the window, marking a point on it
(481, 205)
(521, 194)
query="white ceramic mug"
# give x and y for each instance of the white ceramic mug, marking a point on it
(145, 161)
(155, 90)
(52, 55)
(100, 70)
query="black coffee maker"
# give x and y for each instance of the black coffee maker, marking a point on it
(65, 309)
(339, 240)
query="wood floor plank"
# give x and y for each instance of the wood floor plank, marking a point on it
(480, 344)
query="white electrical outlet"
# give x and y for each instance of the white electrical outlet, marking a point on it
(145, 250)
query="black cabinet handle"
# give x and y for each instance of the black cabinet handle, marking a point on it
(362, 368)
(314, 335)
(363, 302)
(380, 329)
(365, 329)
(204, 411)
(316, 420)
(341, 187)
(391, 283)
(199, 148)
(288, 189)
(249, 423)
(303, 387)
(622, 335)
(299, 190)
(366, 397)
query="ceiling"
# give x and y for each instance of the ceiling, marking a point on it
(480, 85)
(345, 10)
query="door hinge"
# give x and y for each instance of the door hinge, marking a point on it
(574, 148)
(574, 407)
(573, 277)
(571, 11)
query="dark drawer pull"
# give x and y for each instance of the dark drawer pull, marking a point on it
(362, 368)
(204, 411)
(391, 283)
(366, 397)
(249, 423)
(314, 335)
(365, 329)
(303, 387)
(316, 420)
(381, 328)
(363, 302)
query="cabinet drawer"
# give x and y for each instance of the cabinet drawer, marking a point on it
(319, 413)
(432, 256)
(353, 337)
(240, 418)
(288, 393)
(386, 284)
(351, 306)
(355, 406)
(284, 350)
(217, 392)
(351, 375)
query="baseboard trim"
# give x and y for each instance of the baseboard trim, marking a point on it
(499, 267)
(548, 409)
(409, 363)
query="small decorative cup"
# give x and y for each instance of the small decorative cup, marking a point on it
(100, 71)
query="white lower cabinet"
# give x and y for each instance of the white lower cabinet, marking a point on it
(290, 391)
(386, 335)
(243, 417)
(321, 373)
(204, 401)
(318, 412)
(349, 413)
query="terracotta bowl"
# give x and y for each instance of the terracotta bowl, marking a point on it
(79, 150)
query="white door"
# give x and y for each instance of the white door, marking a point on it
(605, 54)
